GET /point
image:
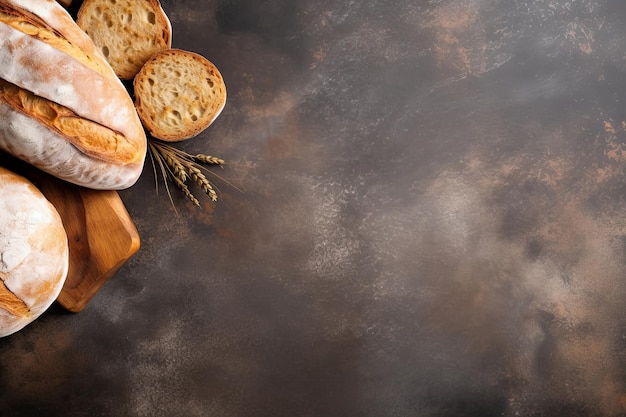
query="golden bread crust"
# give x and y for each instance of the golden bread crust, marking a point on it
(178, 94)
(34, 253)
(102, 122)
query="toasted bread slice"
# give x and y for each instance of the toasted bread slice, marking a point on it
(128, 32)
(178, 94)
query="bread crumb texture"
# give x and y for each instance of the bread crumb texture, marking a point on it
(10, 302)
(127, 32)
(178, 94)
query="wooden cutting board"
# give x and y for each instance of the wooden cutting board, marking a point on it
(101, 234)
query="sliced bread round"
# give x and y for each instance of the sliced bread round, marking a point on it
(178, 94)
(127, 32)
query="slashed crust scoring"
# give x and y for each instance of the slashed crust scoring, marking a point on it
(34, 254)
(53, 153)
(44, 53)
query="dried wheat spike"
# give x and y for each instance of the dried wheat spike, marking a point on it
(208, 159)
(198, 177)
(186, 191)
(177, 168)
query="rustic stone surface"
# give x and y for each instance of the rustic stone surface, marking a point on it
(432, 223)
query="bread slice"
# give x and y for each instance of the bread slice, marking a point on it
(178, 94)
(128, 32)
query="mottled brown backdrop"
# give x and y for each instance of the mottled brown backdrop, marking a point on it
(423, 215)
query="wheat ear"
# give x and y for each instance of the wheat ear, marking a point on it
(179, 165)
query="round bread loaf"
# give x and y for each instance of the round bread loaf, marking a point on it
(178, 94)
(34, 254)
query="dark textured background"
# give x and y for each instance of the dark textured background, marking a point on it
(432, 222)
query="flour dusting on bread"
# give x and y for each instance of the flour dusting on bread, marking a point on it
(34, 253)
(70, 95)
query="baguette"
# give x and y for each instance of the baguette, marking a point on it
(128, 32)
(34, 253)
(178, 94)
(65, 110)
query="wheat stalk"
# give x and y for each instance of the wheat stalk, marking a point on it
(179, 166)
(181, 184)
(208, 159)
(157, 159)
(202, 181)
(178, 169)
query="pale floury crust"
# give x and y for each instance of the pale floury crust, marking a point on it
(34, 253)
(59, 19)
(36, 66)
(48, 150)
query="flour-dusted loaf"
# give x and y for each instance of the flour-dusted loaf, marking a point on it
(178, 94)
(34, 254)
(128, 32)
(63, 108)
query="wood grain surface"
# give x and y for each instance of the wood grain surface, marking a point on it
(101, 234)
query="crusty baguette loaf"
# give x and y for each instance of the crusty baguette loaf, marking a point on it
(64, 109)
(34, 254)
(128, 32)
(178, 94)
